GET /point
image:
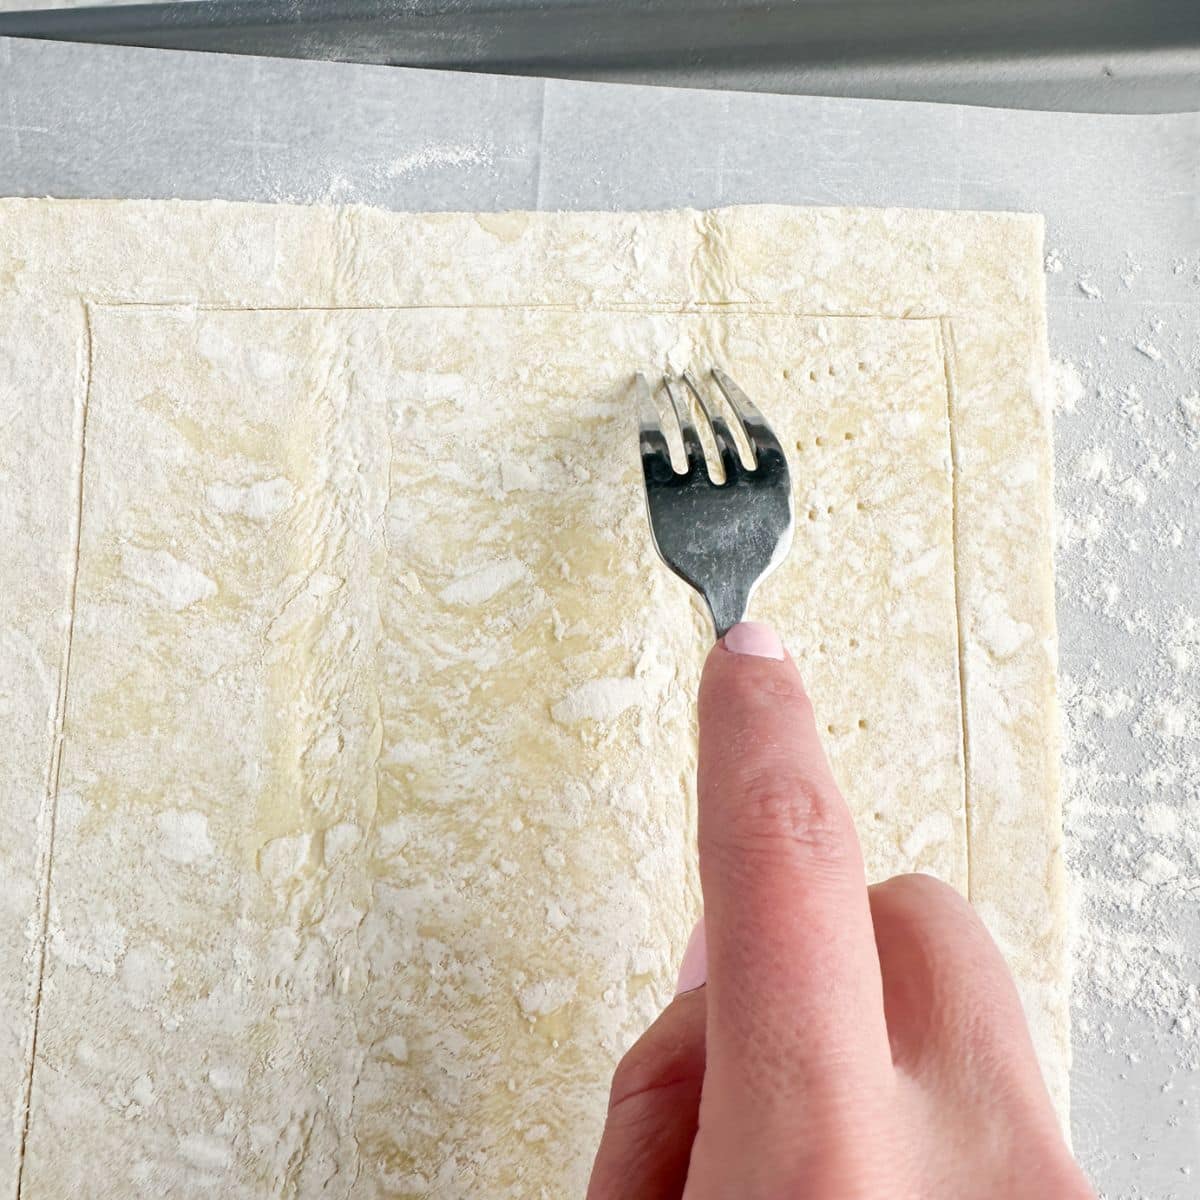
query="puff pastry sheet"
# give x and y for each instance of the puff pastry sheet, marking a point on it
(347, 812)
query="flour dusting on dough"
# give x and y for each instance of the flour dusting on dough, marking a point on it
(598, 700)
(184, 836)
(479, 586)
(259, 501)
(178, 583)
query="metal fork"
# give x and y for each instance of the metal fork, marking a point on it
(722, 538)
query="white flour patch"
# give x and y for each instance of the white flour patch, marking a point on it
(1000, 634)
(177, 583)
(931, 830)
(284, 858)
(598, 700)
(377, 182)
(183, 837)
(479, 586)
(434, 155)
(144, 975)
(97, 948)
(396, 1048)
(205, 1152)
(1066, 386)
(1095, 464)
(545, 996)
(1189, 409)
(259, 501)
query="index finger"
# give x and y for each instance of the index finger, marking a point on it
(795, 1009)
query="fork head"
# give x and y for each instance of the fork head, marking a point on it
(723, 537)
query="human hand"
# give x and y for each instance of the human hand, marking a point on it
(830, 1041)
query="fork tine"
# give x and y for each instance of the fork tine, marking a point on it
(722, 434)
(693, 447)
(655, 449)
(758, 433)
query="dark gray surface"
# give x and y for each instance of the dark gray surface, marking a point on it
(1120, 196)
(1084, 55)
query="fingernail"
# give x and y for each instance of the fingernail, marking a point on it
(693, 971)
(755, 638)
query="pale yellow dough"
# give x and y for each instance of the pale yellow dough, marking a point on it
(347, 813)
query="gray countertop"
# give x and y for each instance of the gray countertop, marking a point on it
(1121, 195)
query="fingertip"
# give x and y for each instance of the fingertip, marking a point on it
(748, 661)
(754, 639)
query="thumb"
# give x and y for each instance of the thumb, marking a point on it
(655, 1099)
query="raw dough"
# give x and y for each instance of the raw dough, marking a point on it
(350, 794)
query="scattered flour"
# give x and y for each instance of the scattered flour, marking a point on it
(177, 583)
(479, 586)
(434, 155)
(1189, 408)
(376, 182)
(598, 700)
(1095, 464)
(1129, 613)
(259, 501)
(145, 976)
(183, 837)
(396, 1048)
(205, 1152)
(516, 477)
(1066, 386)
(544, 996)
(999, 634)
(932, 829)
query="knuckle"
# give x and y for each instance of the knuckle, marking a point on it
(785, 812)
(773, 687)
(657, 1061)
(635, 1098)
(638, 1072)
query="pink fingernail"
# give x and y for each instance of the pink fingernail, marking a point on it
(693, 971)
(755, 638)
